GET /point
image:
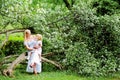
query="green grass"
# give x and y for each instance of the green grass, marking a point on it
(21, 74)
(58, 75)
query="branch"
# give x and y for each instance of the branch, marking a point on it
(8, 32)
(6, 59)
(9, 70)
(67, 4)
(58, 20)
(3, 43)
(73, 1)
(10, 56)
(48, 54)
(52, 62)
(12, 30)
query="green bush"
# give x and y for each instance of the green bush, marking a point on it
(80, 60)
(102, 37)
(108, 7)
(47, 45)
(13, 47)
(108, 63)
(46, 67)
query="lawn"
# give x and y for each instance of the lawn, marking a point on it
(58, 75)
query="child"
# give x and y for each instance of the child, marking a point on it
(36, 55)
(39, 44)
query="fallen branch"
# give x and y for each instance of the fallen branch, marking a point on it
(6, 59)
(48, 54)
(9, 70)
(22, 57)
(52, 62)
(10, 56)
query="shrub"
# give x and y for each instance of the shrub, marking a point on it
(80, 60)
(13, 47)
(108, 7)
(108, 63)
(101, 35)
(47, 45)
(48, 67)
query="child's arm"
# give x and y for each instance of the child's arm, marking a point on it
(39, 45)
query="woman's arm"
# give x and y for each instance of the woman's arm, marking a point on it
(27, 47)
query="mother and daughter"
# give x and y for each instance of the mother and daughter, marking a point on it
(33, 44)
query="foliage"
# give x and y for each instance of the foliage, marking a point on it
(46, 67)
(80, 60)
(101, 35)
(13, 47)
(26, 14)
(108, 7)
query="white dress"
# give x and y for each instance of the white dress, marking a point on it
(31, 45)
(34, 58)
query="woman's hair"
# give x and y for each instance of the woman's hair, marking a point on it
(39, 36)
(26, 32)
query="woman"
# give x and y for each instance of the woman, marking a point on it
(29, 42)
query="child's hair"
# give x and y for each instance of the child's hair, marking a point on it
(39, 36)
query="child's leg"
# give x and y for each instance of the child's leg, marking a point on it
(39, 56)
(32, 65)
(34, 69)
